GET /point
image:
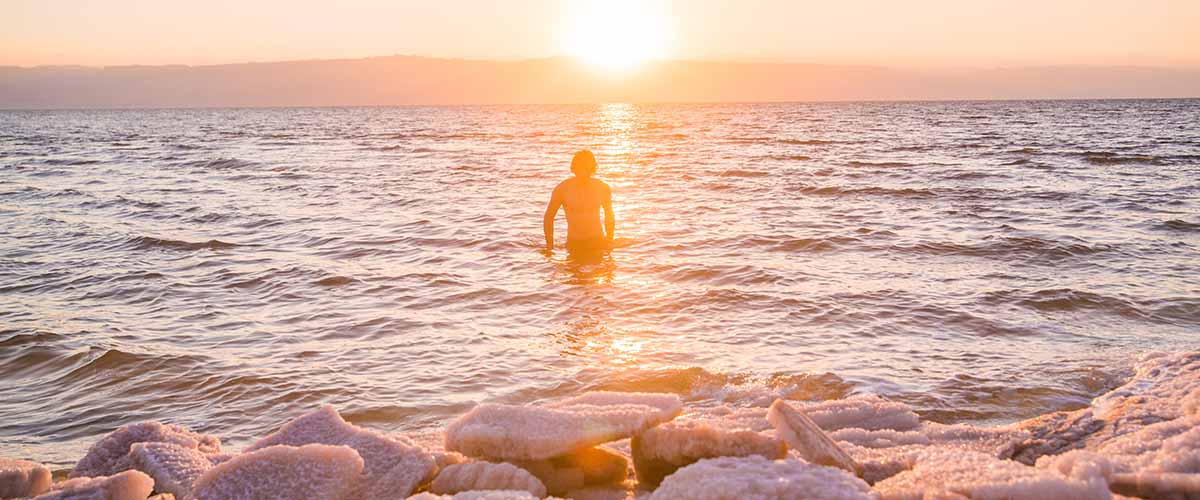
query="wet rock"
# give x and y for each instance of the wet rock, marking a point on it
(174, 468)
(660, 451)
(128, 485)
(758, 478)
(22, 478)
(979, 476)
(393, 465)
(1159, 485)
(807, 439)
(284, 472)
(110, 455)
(485, 476)
(542, 432)
(597, 466)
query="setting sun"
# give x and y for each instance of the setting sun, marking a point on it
(617, 36)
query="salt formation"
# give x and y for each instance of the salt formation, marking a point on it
(480, 495)
(174, 468)
(975, 475)
(128, 485)
(863, 412)
(595, 466)
(758, 478)
(662, 450)
(283, 472)
(22, 478)
(393, 465)
(1165, 387)
(538, 433)
(809, 441)
(486, 476)
(110, 455)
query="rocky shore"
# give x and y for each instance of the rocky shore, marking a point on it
(1141, 440)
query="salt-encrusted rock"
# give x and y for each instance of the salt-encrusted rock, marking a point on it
(758, 478)
(485, 476)
(284, 472)
(662, 450)
(862, 412)
(174, 468)
(480, 495)
(537, 433)
(128, 485)
(110, 455)
(804, 436)
(393, 465)
(1165, 387)
(597, 466)
(1161, 485)
(162, 496)
(22, 478)
(979, 476)
(603, 493)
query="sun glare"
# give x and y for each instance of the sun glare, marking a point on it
(617, 35)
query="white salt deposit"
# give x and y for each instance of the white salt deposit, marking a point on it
(22, 478)
(862, 412)
(578, 469)
(980, 476)
(807, 439)
(537, 433)
(285, 472)
(110, 455)
(661, 450)
(1165, 387)
(486, 476)
(758, 478)
(174, 468)
(480, 495)
(128, 485)
(393, 465)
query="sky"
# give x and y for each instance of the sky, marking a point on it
(914, 33)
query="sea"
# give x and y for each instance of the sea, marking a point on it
(229, 269)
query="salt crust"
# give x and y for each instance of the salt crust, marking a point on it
(481, 495)
(110, 455)
(486, 476)
(393, 465)
(538, 433)
(280, 472)
(1164, 387)
(127, 485)
(807, 439)
(661, 450)
(174, 468)
(758, 478)
(22, 478)
(595, 466)
(979, 476)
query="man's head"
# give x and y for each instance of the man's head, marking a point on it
(583, 164)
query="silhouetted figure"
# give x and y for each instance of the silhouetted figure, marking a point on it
(582, 197)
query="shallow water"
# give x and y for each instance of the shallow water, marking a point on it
(229, 269)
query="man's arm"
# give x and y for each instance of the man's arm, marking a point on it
(610, 219)
(548, 218)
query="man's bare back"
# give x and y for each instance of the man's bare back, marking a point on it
(582, 197)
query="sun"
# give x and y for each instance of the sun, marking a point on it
(616, 36)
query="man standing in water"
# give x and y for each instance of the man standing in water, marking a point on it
(582, 197)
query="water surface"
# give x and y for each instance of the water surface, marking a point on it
(228, 269)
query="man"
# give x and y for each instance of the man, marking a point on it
(582, 197)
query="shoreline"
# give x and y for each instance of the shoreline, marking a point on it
(1119, 440)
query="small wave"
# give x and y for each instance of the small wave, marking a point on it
(150, 243)
(808, 142)
(880, 164)
(744, 173)
(1065, 299)
(1009, 248)
(1110, 158)
(218, 164)
(1180, 225)
(335, 281)
(866, 191)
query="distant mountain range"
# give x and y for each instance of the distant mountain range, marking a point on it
(405, 80)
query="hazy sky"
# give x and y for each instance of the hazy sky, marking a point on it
(926, 33)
